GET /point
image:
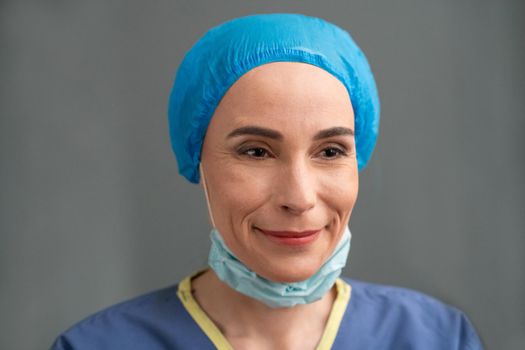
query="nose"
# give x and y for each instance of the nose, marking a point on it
(295, 188)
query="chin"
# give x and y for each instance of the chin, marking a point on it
(290, 275)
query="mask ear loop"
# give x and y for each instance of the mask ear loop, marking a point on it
(203, 179)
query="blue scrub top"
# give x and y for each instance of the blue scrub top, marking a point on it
(371, 317)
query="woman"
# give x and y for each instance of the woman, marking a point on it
(274, 115)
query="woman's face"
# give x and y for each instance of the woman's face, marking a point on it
(280, 167)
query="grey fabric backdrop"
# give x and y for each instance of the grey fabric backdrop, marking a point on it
(92, 210)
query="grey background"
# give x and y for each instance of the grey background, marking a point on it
(92, 210)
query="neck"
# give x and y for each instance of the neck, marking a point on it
(255, 320)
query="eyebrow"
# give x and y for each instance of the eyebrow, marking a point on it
(257, 131)
(336, 131)
(273, 134)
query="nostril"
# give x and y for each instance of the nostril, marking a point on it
(290, 207)
(294, 209)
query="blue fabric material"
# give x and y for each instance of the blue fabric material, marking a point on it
(377, 317)
(231, 49)
(238, 276)
(154, 321)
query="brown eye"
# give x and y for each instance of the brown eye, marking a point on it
(332, 153)
(255, 152)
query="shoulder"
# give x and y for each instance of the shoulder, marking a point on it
(140, 322)
(371, 295)
(408, 317)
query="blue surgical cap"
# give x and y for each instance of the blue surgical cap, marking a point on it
(233, 48)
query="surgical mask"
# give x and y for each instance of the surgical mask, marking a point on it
(238, 276)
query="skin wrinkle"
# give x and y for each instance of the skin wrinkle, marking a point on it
(293, 172)
(290, 183)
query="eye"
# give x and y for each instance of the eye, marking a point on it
(333, 153)
(254, 152)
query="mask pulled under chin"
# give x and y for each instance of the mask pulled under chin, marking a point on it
(238, 276)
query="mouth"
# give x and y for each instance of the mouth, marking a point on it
(291, 238)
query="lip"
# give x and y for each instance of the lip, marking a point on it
(292, 238)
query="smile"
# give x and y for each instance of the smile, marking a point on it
(292, 238)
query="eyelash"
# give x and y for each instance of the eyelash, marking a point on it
(246, 152)
(340, 152)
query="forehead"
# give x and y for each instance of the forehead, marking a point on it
(283, 93)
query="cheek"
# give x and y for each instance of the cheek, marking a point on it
(340, 189)
(236, 191)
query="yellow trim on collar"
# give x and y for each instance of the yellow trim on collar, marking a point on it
(205, 323)
(185, 295)
(336, 315)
